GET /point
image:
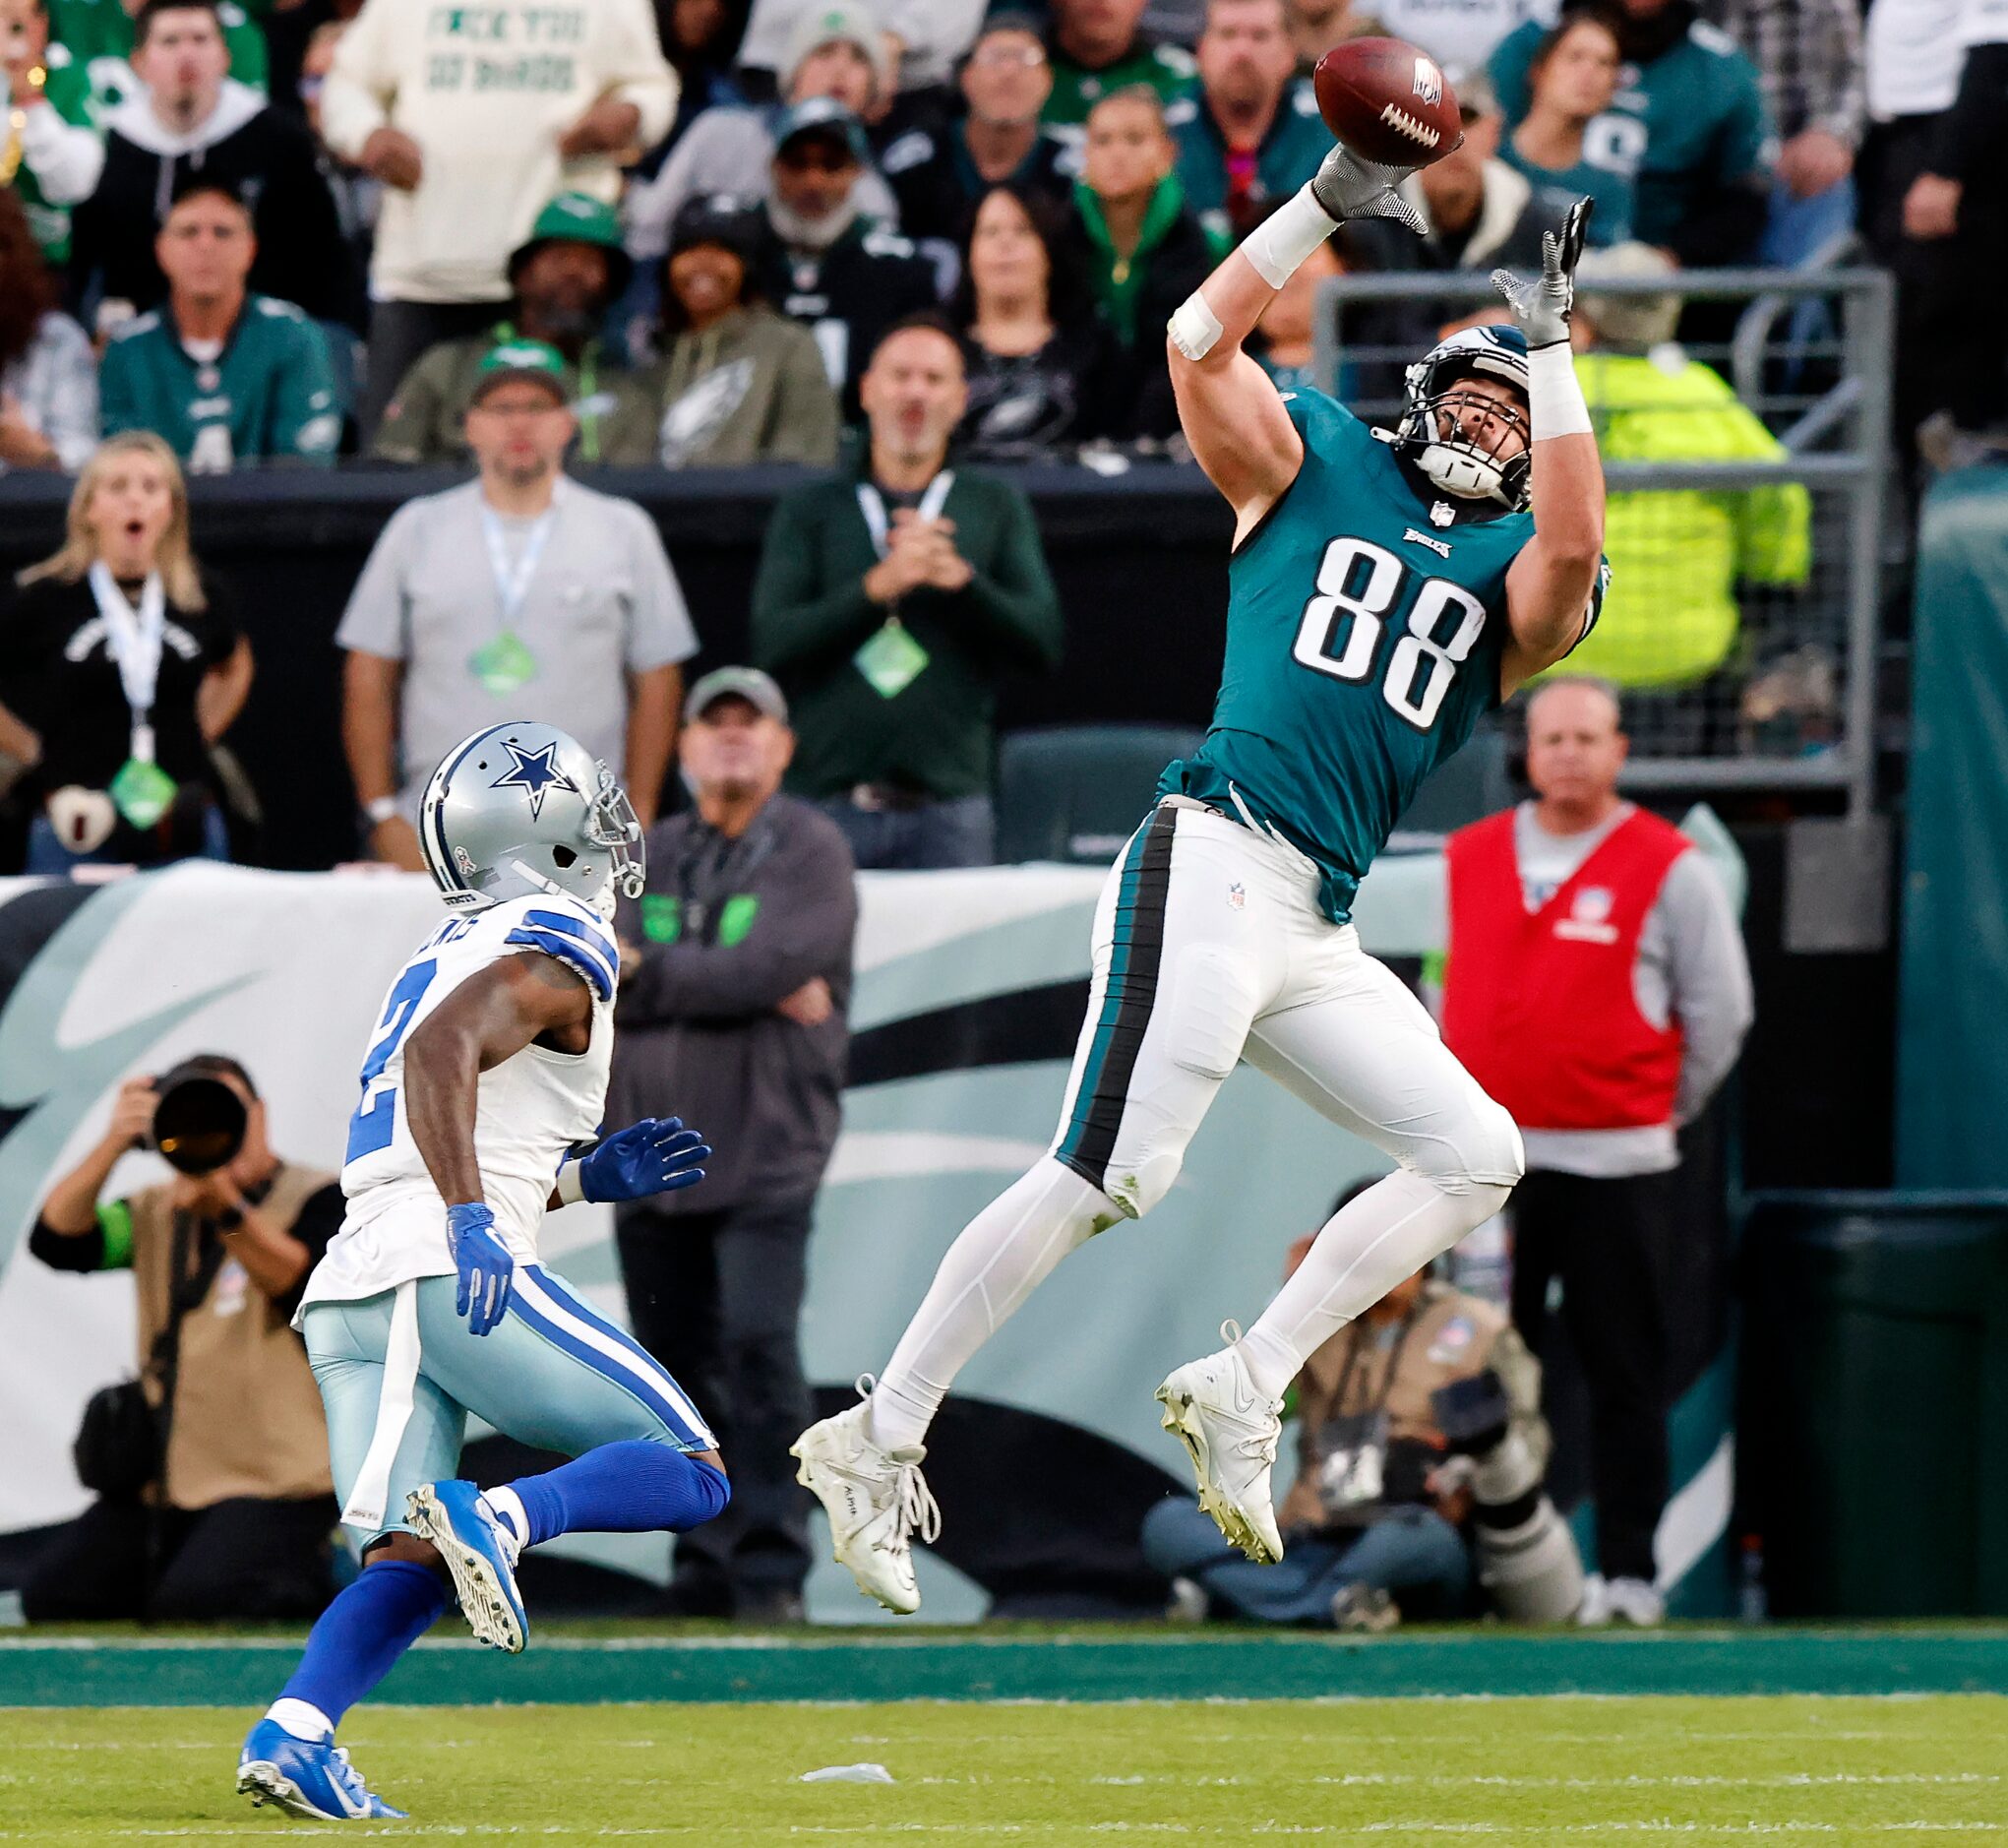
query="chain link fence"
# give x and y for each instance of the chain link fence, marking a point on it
(1747, 471)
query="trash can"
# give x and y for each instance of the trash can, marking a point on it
(1874, 1403)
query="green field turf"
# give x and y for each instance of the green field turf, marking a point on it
(1533, 1770)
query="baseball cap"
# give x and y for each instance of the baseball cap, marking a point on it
(721, 219)
(1009, 19)
(511, 360)
(822, 115)
(757, 689)
(849, 21)
(577, 219)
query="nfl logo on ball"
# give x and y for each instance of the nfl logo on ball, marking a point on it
(1429, 81)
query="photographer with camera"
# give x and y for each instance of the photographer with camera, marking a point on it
(210, 1469)
(1421, 1448)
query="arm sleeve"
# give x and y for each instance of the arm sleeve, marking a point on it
(1015, 601)
(106, 1245)
(71, 414)
(65, 157)
(221, 631)
(355, 99)
(634, 68)
(1710, 979)
(306, 425)
(374, 621)
(798, 620)
(118, 399)
(301, 248)
(659, 631)
(1968, 134)
(805, 417)
(1836, 81)
(808, 914)
(318, 1220)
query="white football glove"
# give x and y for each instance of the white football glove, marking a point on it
(1348, 187)
(1541, 308)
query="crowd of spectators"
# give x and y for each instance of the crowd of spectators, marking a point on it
(417, 180)
(324, 230)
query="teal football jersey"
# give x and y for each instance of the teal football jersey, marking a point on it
(1363, 644)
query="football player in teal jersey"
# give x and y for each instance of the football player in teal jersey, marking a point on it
(1385, 593)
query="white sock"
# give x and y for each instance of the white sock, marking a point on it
(302, 1719)
(1001, 1256)
(1390, 1232)
(508, 1510)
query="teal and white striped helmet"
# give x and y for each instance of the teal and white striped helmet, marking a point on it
(522, 808)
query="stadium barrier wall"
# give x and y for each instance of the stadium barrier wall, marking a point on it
(969, 994)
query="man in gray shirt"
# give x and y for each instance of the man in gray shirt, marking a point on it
(1597, 987)
(522, 594)
(735, 981)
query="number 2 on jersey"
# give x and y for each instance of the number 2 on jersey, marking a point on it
(1357, 584)
(375, 1117)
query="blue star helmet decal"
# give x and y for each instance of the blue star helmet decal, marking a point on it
(536, 772)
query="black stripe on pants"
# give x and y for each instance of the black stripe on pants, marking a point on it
(1610, 1242)
(1126, 1003)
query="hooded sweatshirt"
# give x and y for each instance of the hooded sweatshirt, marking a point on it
(267, 159)
(486, 92)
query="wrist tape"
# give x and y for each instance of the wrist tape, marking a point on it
(1287, 237)
(570, 1181)
(1554, 400)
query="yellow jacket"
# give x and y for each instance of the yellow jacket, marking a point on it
(1676, 555)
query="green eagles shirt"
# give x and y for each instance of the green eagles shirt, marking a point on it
(1170, 70)
(1289, 154)
(267, 396)
(98, 36)
(66, 91)
(1366, 624)
(1691, 122)
(1556, 189)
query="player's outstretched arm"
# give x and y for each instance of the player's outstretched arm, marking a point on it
(1555, 584)
(1232, 414)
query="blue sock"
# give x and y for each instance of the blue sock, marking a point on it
(634, 1487)
(363, 1632)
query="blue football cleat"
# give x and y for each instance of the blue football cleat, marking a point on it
(310, 1779)
(480, 1553)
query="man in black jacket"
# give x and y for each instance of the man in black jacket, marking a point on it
(193, 119)
(822, 261)
(736, 978)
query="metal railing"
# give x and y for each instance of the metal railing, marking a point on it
(1788, 704)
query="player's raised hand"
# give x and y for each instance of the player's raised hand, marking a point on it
(1540, 307)
(1348, 187)
(483, 1265)
(656, 1155)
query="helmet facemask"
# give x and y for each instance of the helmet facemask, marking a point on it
(1488, 465)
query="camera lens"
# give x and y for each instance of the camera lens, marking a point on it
(199, 1123)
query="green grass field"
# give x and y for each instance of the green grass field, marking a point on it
(1534, 1770)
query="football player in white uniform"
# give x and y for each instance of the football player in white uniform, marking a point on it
(482, 1087)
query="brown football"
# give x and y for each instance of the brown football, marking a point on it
(1387, 102)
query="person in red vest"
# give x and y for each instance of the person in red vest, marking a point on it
(1597, 987)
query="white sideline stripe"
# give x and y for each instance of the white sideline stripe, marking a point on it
(1696, 1518)
(601, 1343)
(1226, 1831)
(365, 1509)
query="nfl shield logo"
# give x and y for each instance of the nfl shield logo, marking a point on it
(1236, 896)
(1429, 81)
(1592, 905)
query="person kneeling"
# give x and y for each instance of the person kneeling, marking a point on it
(1419, 1483)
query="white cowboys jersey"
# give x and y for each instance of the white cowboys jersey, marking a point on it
(530, 1110)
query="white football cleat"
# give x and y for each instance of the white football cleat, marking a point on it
(1620, 1600)
(1230, 1431)
(876, 1500)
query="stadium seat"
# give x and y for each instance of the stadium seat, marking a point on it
(1076, 792)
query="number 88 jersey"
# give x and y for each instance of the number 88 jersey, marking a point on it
(1366, 626)
(529, 1109)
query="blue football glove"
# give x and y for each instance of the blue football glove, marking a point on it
(653, 1156)
(484, 1266)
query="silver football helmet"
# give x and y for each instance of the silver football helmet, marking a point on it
(1432, 435)
(522, 808)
